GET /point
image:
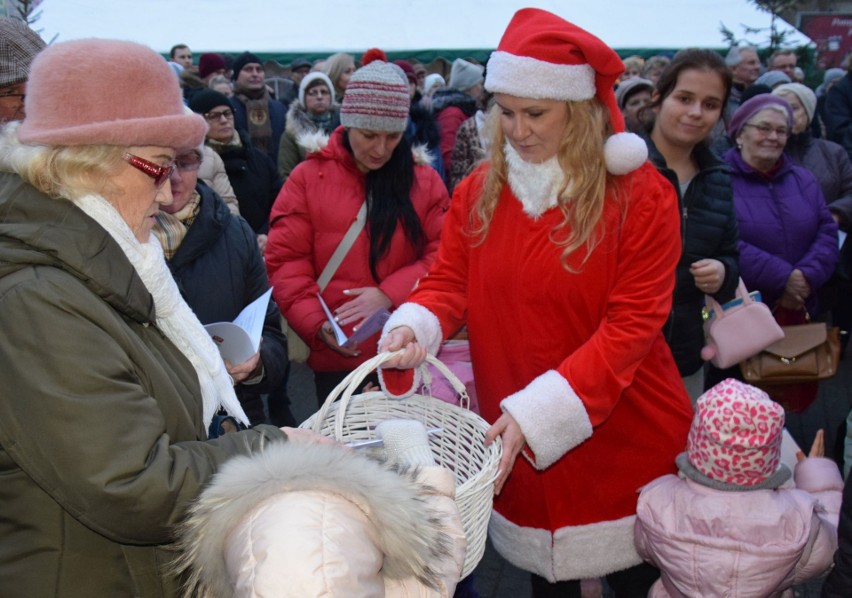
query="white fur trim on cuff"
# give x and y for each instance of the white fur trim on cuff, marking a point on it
(551, 415)
(527, 77)
(571, 552)
(427, 331)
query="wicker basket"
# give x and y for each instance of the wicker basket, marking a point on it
(460, 447)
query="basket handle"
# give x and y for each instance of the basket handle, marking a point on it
(354, 379)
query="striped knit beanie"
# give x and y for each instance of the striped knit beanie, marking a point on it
(376, 99)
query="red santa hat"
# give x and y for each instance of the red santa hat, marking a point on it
(543, 56)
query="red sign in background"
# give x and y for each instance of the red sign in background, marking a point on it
(832, 34)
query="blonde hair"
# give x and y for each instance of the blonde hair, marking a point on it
(580, 157)
(61, 171)
(334, 66)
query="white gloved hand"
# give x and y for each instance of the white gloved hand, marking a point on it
(406, 442)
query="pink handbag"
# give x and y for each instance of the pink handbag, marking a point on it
(455, 354)
(737, 330)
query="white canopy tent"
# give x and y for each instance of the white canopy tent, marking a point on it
(324, 26)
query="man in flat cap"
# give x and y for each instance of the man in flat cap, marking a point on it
(18, 46)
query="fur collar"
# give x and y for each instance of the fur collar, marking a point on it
(535, 185)
(408, 534)
(299, 121)
(315, 142)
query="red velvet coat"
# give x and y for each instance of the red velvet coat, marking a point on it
(577, 358)
(315, 208)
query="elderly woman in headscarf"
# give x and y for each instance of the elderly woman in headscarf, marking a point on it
(109, 379)
(788, 239)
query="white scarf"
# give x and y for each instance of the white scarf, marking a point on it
(535, 185)
(174, 317)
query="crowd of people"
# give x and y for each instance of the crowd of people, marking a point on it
(561, 212)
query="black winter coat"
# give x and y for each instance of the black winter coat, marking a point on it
(838, 113)
(832, 168)
(708, 230)
(838, 584)
(277, 121)
(219, 270)
(254, 177)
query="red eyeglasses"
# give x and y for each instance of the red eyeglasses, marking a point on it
(160, 174)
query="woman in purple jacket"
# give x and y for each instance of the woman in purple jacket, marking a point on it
(788, 239)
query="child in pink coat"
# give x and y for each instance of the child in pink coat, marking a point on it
(731, 524)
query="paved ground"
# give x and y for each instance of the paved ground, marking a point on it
(495, 578)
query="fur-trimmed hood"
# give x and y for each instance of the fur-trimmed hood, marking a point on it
(317, 142)
(446, 97)
(408, 532)
(299, 121)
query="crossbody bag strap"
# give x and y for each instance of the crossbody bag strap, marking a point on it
(343, 248)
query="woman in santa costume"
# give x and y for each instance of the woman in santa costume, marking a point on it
(559, 255)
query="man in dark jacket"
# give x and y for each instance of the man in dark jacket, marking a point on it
(215, 260)
(256, 111)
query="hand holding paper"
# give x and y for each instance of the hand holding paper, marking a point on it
(239, 340)
(365, 329)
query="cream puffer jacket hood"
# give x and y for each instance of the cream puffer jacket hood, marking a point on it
(303, 520)
(715, 543)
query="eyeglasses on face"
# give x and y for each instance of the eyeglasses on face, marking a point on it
(227, 114)
(19, 96)
(187, 163)
(318, 92)
(160, 174)
(765, 129)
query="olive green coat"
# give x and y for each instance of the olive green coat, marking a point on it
(101, 441)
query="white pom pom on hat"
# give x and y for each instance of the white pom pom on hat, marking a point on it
(543, 56)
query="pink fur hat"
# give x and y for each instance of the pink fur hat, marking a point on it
(97, 91)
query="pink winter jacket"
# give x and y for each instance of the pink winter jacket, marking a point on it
(307, 520)
(710, 542)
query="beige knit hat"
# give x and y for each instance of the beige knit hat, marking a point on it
(376, 99)
(77, 97)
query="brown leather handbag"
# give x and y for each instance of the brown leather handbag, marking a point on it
(807, 353)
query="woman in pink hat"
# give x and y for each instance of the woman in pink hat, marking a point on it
(732, 524)
(559, 255)
(109, 380)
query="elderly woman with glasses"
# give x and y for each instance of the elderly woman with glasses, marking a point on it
(251, 172)
(788, 239)
(215, 260)
(310, 120)
(109, 379)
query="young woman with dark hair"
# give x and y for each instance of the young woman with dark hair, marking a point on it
(686, 104)
(367, 159)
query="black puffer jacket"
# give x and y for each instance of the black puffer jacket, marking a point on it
(254, 177)
(219, 271)
(708, 230)
(839, 581)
